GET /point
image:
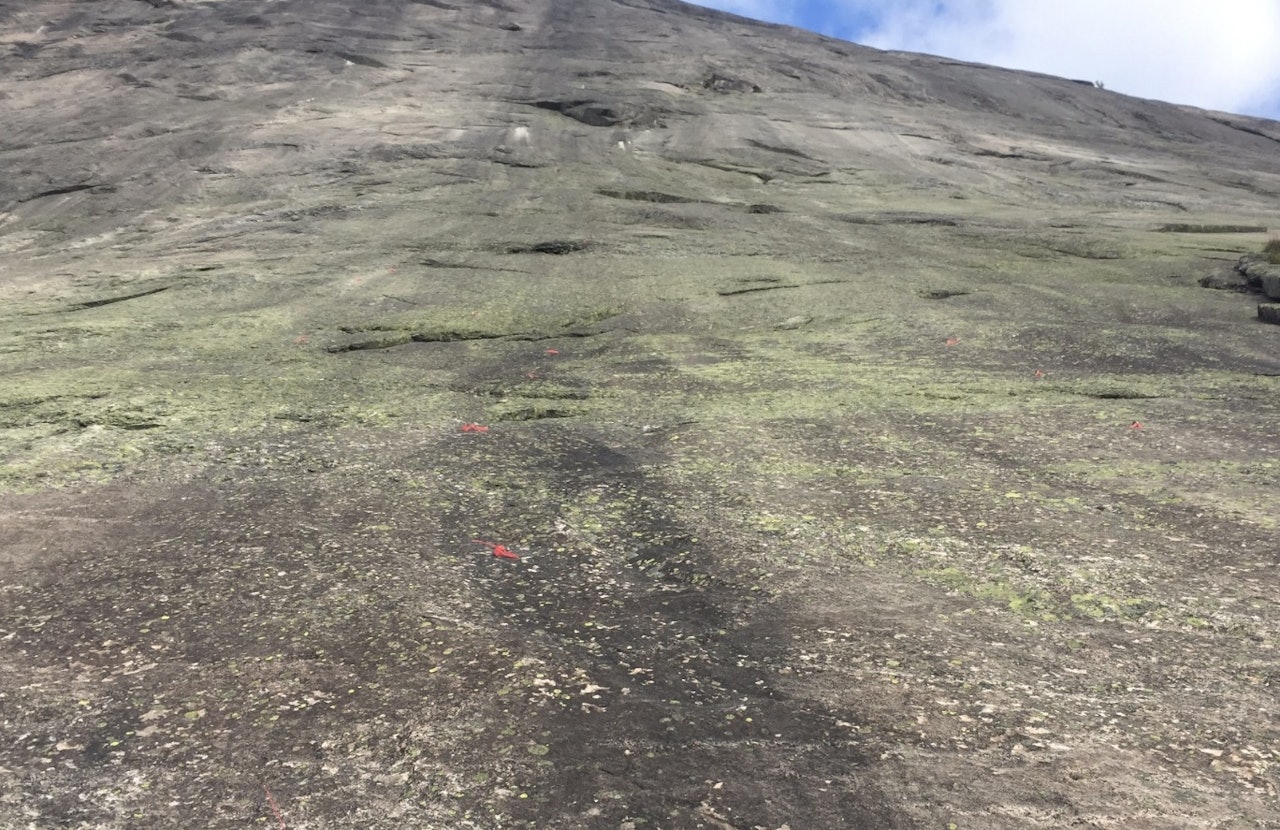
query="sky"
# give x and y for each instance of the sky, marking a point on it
(1217, 54)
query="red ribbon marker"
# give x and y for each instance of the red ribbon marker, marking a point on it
(553, 351)
(1136, 425)
(275, 808)
(499, 551)
(951, 341)
(474, 428)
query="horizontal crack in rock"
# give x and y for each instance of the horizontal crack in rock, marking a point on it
(111, 300)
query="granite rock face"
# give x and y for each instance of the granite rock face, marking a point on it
(1271, 286)
(1253, 273)
(619, 414)
(242, 102)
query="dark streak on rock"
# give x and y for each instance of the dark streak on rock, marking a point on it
(1244, 129)
(648, 196)
(111, 300)
(534, 413)
(557, 247)
(448, 336)
(899, 219)
(1183, 228)
(58, 191)
(1121, 395)
(786, 151)
(362, 60)
(732, 292)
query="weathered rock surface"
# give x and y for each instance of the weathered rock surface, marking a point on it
(873, 457)
(1226, 279)
(1271, 285)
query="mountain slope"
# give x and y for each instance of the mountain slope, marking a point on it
(873, 455)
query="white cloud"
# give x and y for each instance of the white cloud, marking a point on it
(1221, 55)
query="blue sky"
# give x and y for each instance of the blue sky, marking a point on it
(1222, 55)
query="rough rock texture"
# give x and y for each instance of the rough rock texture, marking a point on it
(1226, 279)
(1257, 268)
(873, 456)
